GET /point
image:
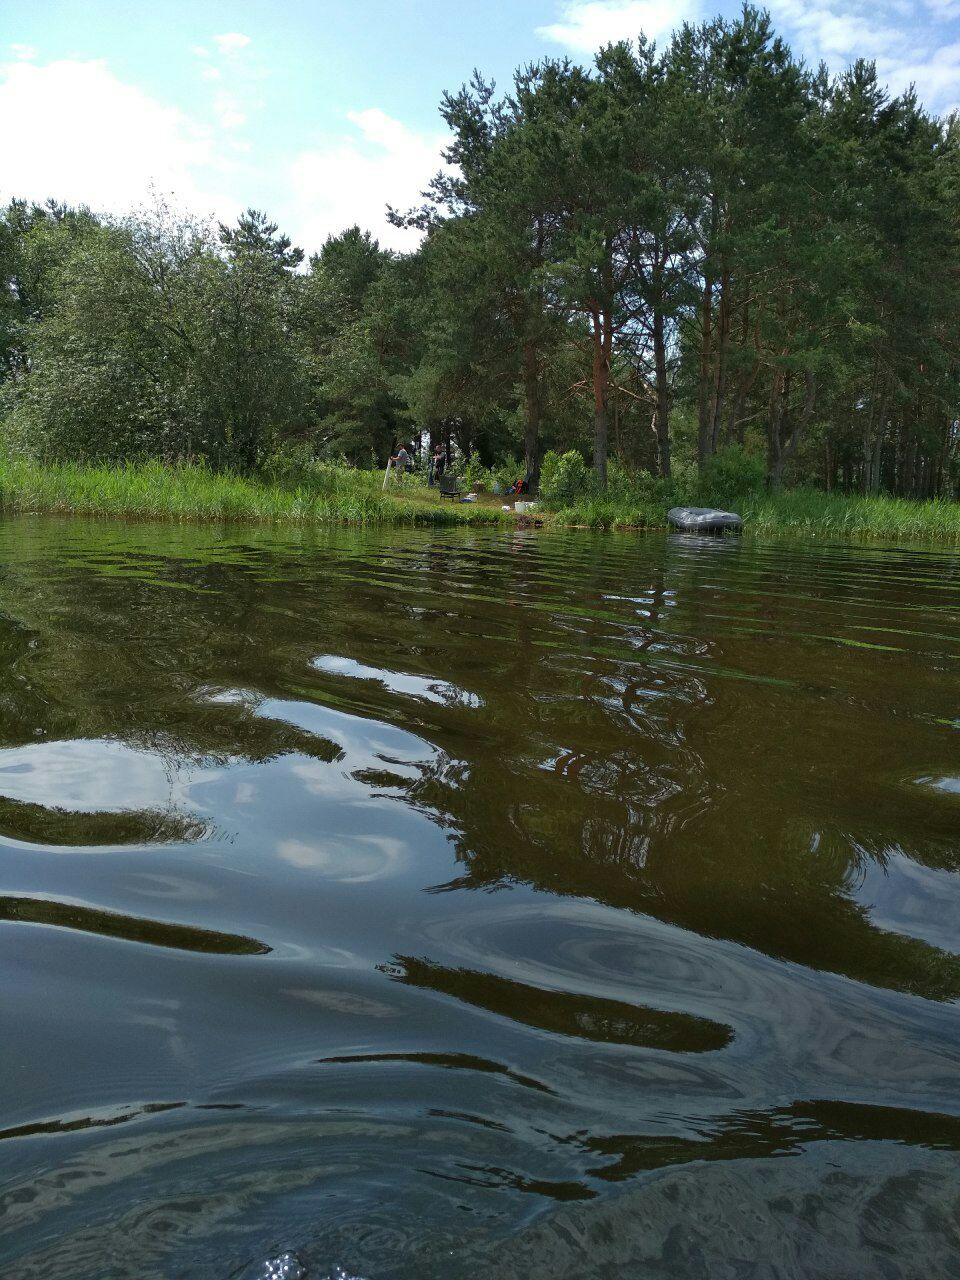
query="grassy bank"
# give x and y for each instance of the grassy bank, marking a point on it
(805, 513)
(812, 512)
(334, 494)
(153, 491)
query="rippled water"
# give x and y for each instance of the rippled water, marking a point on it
(476, 904)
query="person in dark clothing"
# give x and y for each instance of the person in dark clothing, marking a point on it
(438, 464)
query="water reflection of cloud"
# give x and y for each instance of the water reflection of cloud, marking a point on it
(905, 897)
(358, 737)
(949, 785)
(97, 776)
(348, 859)
(429, 688)
(348, 1002)
(332, 784)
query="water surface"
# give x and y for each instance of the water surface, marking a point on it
(475, 904)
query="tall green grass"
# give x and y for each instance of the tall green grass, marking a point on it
(794, 512)
(155, 491)
(612, 513)
(338, 494)
(812, 512)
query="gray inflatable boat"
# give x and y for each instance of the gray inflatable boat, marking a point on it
(704, 520)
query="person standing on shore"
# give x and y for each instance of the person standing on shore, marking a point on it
(438, 464)
(401, 459)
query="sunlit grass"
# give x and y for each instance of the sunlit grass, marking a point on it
(612, 513)
(185, 492)
(806, 512)
(812, 512)
(323, 493)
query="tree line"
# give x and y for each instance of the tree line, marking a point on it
(674, 253)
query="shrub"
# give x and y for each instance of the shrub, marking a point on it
(731, 475)
(473, 474)
(506, 472)
(291, 464)
(564, 478)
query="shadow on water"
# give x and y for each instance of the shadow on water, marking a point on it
(661, 839)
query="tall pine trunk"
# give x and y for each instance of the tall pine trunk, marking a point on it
(663, 395)
(602, 362)
(723, 349)
(706, 372)
(531, 439)
(785, 430)
(704, 424)
(601, 391)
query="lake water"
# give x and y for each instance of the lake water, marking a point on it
(477, 904)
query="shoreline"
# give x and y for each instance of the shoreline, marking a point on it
(331, 495)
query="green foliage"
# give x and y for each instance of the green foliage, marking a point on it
(731, 475)
(473, 474)
(564, 478)
(150, 343)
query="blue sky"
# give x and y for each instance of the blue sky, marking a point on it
(322, 112)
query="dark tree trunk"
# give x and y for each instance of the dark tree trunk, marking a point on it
(873, 437)
(662, 419)
(876, 459)
(735, 423)
(784, 434)
(531, 439)
(706, 346)
(706, 380)
(775, 459)
(723, 351)
(602, 343)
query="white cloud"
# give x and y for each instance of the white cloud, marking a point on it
(906, 47)
(227, 106)
(936, 75)
(231, 41)
(351, 180)
(588, 24)
(904, 37)
(232, 102)
(25, 52)
(94, 139)
(834, 31)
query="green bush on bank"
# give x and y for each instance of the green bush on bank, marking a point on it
(731, 477)
(496, 479)
(631, 500)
